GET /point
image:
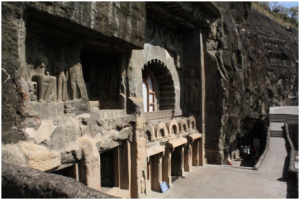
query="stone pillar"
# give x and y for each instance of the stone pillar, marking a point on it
(90, 163)
(74, 172)
(196, 152)
(138, 165)
(159, 172)
(156, 177)
(167, 167)
(201, 152)
(125, 165)
(188, 151)
(202, 75)
(181, 164)
(149, 174)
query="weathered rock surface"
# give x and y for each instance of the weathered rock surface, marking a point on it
(40, 157)
(90, 53)
(250, 65)
(25, 182)
(91, 163)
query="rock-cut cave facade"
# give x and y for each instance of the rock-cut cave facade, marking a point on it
(128, 94)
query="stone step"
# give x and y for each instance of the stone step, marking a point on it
(284, 118)
(277, 134)
(276, 126)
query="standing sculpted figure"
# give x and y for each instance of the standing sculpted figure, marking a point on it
(62, 81)
(40, 78)
(77, 81)
(192, 87)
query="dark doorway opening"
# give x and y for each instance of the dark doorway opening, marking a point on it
(154, 160)
(107, 169)
(68, 172)
(176, 164)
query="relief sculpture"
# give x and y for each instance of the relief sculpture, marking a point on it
(43, 81)
(62, 78)
(112, 83)
(192, 89)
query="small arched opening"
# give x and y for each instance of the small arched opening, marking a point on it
(174, 129)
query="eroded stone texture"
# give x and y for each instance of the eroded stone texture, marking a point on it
(254, 59)
(40, 157)
(90, 165)
(72, 77)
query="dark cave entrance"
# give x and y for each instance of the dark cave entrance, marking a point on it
(108, 162)
(257, 137)
(71, 172)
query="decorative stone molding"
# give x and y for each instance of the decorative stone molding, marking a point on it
(173, 127)
(183, 125)
(161, 130)
(151, 52)
(157, 115)
(192, 123)
(149, 133)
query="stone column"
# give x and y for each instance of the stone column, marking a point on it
(202, 75)
(156, 173)
(196, 152)
(90, 163)
(167, 166)
(138, 165)
(74, 172)
(201, 152)
(181, 164)
(187, 157)
(149, 174)
(125, 165)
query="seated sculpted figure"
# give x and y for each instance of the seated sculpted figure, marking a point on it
(39, 77)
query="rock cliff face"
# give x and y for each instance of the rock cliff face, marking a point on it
(73, 89)
(251, 63)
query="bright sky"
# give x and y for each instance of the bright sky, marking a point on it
(288, 4)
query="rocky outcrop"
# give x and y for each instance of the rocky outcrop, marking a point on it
(25, 182)
(251, 64)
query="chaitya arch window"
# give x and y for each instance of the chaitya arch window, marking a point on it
(148, 92)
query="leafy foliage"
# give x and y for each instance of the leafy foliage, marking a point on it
(286, 16)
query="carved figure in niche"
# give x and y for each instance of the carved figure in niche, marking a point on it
(143, 184)
(62, 77)
(40, 78)
(112, 82)
(77, 82)
(192, 87)
(62, 81)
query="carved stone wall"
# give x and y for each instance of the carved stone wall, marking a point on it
(72, 82)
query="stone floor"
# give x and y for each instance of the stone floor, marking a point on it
(225, 181)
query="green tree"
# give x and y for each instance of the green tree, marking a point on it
(294, 12)
(272, 5)
(265, 5)
(278, 9)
